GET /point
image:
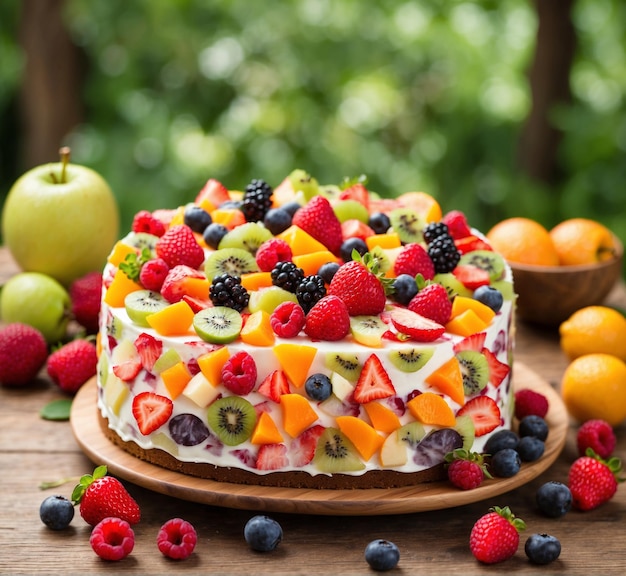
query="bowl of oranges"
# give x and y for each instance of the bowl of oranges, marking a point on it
(558, 271)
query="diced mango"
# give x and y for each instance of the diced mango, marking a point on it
(431, 409)
(466, 323)
(365, 439)
(300, 241)
(175, 379)
(196, 287)
(297, 414)
(257, 331)
(386, 241)
(120, 287)
(174, 320)
(295, 360)
(207, 205)
(119, 253)
(211, 364)
(229, 217)
(381, 417)
(448, 380)
(462, 303)
(310, 263)
(266, 431)
(255, 280)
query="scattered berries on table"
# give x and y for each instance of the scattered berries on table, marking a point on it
(226, 290)
(432, 302)
(112, 539)
(85, 295)
(177, 539)
(533, 426)
(73, 364)
(382, 555)
(530, 403)
(554, 499)
(328, 320)
(56, 512)
(262, 533)
(287, 275)
(257, 200)
(310, 291)
(597, 435)
(593, 481)
(466, 470)
(100, 496)
(179, 246)
(542, 548)
(495, 536)
(23, 352)
(146, 222)
(506, 463)
(287, 319)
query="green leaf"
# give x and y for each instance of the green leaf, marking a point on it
(57, 410)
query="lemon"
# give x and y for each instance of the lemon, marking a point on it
(594, 387)
(594, 329)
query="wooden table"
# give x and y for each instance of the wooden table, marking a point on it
(33, 450)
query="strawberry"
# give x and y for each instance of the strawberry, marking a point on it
(272, 457)
(23, 352)
(101, 496)
(128, 370)
(471, 243)
(153, 274)
(151, 411)
(357, 284)
(149, 350)
(197, 304)
(302, 448)
(466, 470)
(474, 342)
(356, 192)
(146, 222)
(73, 364)
(413, 260)
(530, 403)
(457, 224)
(373, 383)
(495, 536)
(318, 219)
(419, 328)
(274, 385)
(597, 435)
(484, 412)
(328, 320)
(86, 295)
(179, 246)
(593, 481)
(433, 303)
(213, 191)
(471, 277)
(353, 228)
(498, 371)
(173, 288)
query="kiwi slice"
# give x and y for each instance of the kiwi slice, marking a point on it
(506, 289)
(346, 365)
(381, 258)
(218, 324)
(351, 210)
(465, 427)
(232, 418)
(141, 240)
(410, 359)
(407, 224)
(248, 236)
(411, 433)
(335, 453)
(487, 260)
(166, 360)
(103, 369)
(141, 303)
(233, 261)
(368, 330)
(454, 287)
(475, 371)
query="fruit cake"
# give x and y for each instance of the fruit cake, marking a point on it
(304, 336)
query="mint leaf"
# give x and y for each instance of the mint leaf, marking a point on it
(57, 410)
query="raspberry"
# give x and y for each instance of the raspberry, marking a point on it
(271, 252)
(466, 470)
(86, 294)
(328, 320)
(530, 403)
(239, 373)
(457, 225)
(597, 435)
(72, 365)
(112, 539)
(287, 319)
(179, 246)
(23, 351)
(177, 539)
(153, 274)
(413, 260)
(144, 221)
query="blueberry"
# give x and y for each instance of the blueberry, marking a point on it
(533, 426)
(379, 222)
(506, 463)
(196, 218)
(500, 440)
(262, 533)
(358, 244)
(542, 548)
(291, 207)
(318, 387)
(530, 448)
(382, 555)
(489, 296)
(404, 288)
(327, 271)
(213, 234)
(56, 512)
(277, 220)
(230, 205)
(554, 499)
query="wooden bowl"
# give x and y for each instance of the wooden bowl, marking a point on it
(549, 295)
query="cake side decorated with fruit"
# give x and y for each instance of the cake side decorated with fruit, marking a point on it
(305, 336)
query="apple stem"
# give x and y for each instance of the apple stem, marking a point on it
(64, 152)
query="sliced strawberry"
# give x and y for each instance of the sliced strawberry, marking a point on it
(484, 412)
(474, 342)
(470, 243)
(471, 277)
(149, 350)
(416, 326)
(274, 385)
(197, 304)
(151, 411)
(374, 382)
(302, 447)
(498, 371)
(214, 191)
(457, 224)
(356, 192)
(173, 288)
(354, 228)
(127, 371)
(272, 457)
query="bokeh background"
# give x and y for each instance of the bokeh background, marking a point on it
(496, 108)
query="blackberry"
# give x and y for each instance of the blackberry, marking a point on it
(226, 290)
(434, 230)
(257, 200)
(287, 275)
(444, 254)
(309, 291)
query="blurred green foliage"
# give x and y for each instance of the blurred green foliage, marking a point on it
(423, 95)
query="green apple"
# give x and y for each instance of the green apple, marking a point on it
(61, 220)
(39, 300)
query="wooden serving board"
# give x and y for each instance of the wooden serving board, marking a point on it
(364, 502)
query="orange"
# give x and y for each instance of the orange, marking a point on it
(594, 329)
(594, 387)
(582, 241)
(524, 241)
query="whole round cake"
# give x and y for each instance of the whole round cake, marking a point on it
(305, 336)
